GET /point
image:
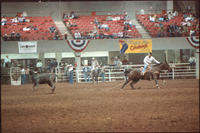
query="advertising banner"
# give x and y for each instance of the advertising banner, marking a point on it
(27, 47)
(135, 46)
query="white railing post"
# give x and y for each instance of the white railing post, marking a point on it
(173, 73)
(77, 75)
(109, 74)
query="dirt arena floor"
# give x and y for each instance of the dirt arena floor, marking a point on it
(102, 107)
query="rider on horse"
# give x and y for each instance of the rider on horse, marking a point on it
(147, 61)
(94, 64)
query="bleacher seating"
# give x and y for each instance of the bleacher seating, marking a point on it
(85, 25)
(41, 22)
(154, 31)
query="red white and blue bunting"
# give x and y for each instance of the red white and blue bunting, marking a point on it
(78, 45)
(193, 40)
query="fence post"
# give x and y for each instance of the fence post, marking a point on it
(173, 73)
(109, 74)
(77, 75)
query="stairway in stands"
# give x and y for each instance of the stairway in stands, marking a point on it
(63, 29)
(140, 28)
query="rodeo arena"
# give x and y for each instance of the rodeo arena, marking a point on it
(99, 66)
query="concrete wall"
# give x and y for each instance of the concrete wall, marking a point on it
(55, 9)
(96, 45)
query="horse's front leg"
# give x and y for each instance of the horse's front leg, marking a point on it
(126, 82)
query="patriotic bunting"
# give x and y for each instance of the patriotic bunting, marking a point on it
(193, 40)
(78, 45)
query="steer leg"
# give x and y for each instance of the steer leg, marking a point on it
(52, 85)
(35, 85)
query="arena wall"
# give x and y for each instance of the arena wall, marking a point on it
(55, 9)
(11, 47)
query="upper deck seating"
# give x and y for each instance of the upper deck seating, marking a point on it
(33, 28)
(86, 26)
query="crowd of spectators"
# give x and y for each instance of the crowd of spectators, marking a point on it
(174, 24)
(101, 28)
(19, 27)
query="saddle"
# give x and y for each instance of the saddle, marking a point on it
(147, 70)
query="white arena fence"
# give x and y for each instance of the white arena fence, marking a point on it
(179, 71)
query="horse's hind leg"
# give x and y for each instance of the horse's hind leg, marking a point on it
(126, 82)
(131, 84)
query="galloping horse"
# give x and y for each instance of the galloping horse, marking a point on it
(135, 75)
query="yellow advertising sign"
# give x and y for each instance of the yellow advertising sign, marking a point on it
(135, 46)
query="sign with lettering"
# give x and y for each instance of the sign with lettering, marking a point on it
(27, 47)
(135, 46)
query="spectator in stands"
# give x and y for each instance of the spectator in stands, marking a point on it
(126, 17)
(189, 18)
(12, 36)
(165, 18)
(172, 30)
(161, 19)
(126, 28)
(192, 61)
(65, 35)
(170, 16)
(72, 15)
(3, 21)
(105, 26)
(96, 21)
(56, 36)
(65, 16)
(5, 37)
(35, 28)
(181, 31)
(109, 18)
(129, 23)
(175, 13)
(161, 32)
(21, 19)
(27, 28)
(14, 20)
(77, 35)
(52, 29)
(152, 18)
(91, 35)
(176, 29)
(120, 34)
(101, 35)
(18, 36)
(94, 31)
